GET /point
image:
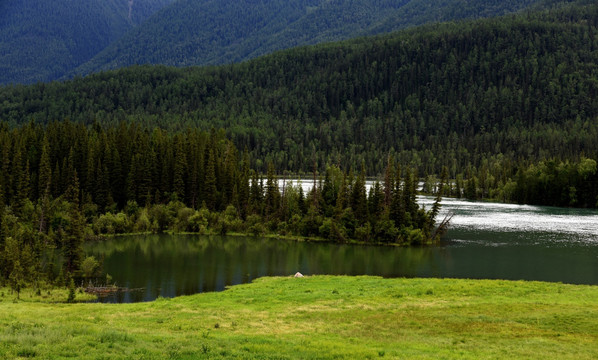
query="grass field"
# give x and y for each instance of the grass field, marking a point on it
(320, 317)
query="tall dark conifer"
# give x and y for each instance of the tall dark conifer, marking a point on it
(72, 245)
(389, 181)
(211, 192)
(180, 170)
(45, 170)
(359, 197)
(397, 208)
(272, 196)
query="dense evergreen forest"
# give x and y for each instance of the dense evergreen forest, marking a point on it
(486, 97)
(191, 32)
(505, 108)
(63, 183)
(44, 40)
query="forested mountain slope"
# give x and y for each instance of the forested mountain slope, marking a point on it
(42, 40)
(484, 93)
(191, 32)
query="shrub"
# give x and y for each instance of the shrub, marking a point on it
(198, 222)
(160, 218)
(364, 233)
(104, 224)
(143, 223)
(182, 219)
(112, 224)
(255, 225)
(385, 231)
(89, 266)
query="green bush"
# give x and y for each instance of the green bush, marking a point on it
(364, 233)
(182, 219)
(385, 231)
(89, 267)
(143, 223)
(160, 218)
(255, 225)
(112, 224)
(198, 222)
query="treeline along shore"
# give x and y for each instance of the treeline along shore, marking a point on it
(63, 183)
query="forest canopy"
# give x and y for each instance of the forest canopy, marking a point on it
(63, 183)
(503, 91)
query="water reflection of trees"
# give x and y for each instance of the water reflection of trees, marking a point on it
(172, 265)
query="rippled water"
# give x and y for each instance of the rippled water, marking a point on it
(485, 240)
(527, 223)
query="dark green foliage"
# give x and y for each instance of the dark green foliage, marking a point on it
(230, 31)
(71, 287)
(522, 86)
(558, 184)
(230, 196)
(44, 40)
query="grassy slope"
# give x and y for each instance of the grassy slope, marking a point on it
(319, 317)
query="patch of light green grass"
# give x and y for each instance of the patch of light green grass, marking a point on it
(323, 317)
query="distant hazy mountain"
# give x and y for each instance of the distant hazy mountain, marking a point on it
(202, 32)
(41, 40)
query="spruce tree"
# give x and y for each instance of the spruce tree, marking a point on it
(45, 169)
(389, 181)
(359, 197)
(180, 170)
(211, 195)
(102, 190)
(73, 241)
(272, 196)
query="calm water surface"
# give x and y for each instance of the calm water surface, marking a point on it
(490, 241)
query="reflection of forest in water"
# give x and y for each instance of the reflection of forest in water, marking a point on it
(187, 264)
(496, 241)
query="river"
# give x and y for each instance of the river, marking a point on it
(485, 241)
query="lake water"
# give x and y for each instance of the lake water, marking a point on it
(485, 241)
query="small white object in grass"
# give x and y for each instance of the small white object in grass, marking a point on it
(298, 274)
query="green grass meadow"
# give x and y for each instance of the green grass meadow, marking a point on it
(319, 317)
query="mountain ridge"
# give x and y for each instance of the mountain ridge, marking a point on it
(518, 87)
(44, 40)
(293, 23)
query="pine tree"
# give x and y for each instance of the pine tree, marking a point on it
(21, 184)
(74, 234)
(5, 174)
(45, 169)
(102, 190)
(256, 194)
(376, 201)
(359, 197)
(436, 205)
(341, 199)
(397, 208)
(14, 267)
(272, 196)
(229, 173)
(243, 187)
(180, 170)
(389, 181)
(57, 182)
(211, 195)
(301, 204)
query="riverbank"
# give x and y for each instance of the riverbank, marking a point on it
(319, 317)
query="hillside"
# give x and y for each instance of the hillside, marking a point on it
(191, 32)
(42, 40)
(510, 89)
